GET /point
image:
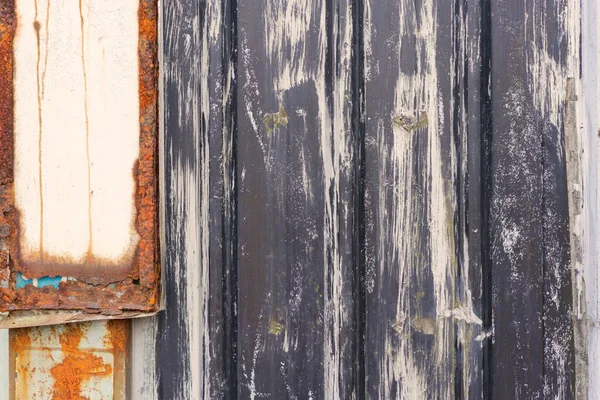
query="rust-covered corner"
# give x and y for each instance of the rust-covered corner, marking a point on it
(103, 293)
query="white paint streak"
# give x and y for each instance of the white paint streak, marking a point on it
(287, 23)
(415, 93)
(76, 129)
(190, 188)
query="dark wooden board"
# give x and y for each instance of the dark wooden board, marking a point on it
(366, 199)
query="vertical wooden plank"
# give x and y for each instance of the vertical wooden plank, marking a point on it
(588, 114)
(424, 301)
(533, 54)
(516, 212)
(194, 340)
(4, 362)
(474, 286)
(297, 200)
(142, 362)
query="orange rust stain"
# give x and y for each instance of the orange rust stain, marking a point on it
(8, 215)
(76, 367)
(118, 335)
(145, 170)
(20, 344)
(137, 286)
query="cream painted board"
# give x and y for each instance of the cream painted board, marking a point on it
(76, 128)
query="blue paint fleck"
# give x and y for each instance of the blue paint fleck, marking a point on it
(41, 282)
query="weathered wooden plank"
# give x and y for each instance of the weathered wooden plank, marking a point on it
(411, 240)
(423, 251)
(194, 343)
(297, 200)
(533, 53)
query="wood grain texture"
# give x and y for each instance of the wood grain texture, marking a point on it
(191, 333)
(423, 191)
(532, 57)
(296, 200)
(368, 200)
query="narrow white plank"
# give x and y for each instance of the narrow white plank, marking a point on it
(76, 129)
(589, 115)
(143, 368)
(4, 364)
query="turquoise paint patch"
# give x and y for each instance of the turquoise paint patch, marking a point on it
(21, 282)
(41, 282)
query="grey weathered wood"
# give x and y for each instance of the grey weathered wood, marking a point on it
(195, 344)
(423, 179)
(367, 200)
(296, 200)
(532, 295)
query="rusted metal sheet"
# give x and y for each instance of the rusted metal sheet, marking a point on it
(74, 361)
(51, 275)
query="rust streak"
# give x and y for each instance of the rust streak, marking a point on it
(36, 26)
(135, 287)
(20, 345)
(47, 45)
(87, 134)
(118, 339)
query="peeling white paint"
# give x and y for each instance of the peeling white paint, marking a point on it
(77, 129)
(287, 23)
(190, 188)
(415, 93)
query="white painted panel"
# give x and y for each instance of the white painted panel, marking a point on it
(4, 364)
(143, 368)
(76, 129)
(589, 115)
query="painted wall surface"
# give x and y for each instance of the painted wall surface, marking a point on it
(377, 199)
(76, 130)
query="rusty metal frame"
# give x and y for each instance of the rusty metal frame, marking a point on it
(101, 295)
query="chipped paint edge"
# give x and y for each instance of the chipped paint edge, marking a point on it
(24, 319)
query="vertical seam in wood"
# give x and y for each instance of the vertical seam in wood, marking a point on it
(486, 182)
(358, 127)
(230, 240)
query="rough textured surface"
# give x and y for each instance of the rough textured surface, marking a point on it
(138, 288)
(73, 361)
(370, 199)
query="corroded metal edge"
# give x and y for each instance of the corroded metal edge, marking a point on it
(24, 319)
(92, 298)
